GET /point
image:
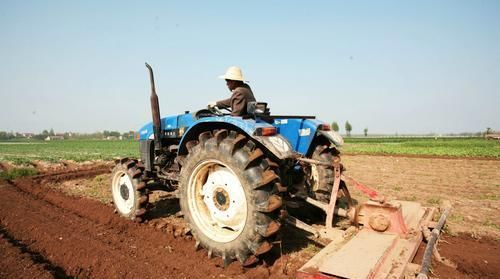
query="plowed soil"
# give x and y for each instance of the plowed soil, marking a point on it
(50, 231)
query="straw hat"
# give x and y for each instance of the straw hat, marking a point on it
(233, 73)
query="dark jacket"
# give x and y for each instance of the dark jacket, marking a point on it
(238, 101)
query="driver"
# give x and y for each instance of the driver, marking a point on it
(241, 93)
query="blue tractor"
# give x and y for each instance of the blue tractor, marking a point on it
(238, 178)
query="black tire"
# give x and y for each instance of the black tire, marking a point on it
(321, 177)
(206, 197)
(129, 192)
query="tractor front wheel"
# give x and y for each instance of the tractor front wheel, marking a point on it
(128, 190)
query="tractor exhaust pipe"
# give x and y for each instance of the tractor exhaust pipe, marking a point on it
(155, 109)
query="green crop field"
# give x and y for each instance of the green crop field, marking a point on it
(453, 147)
(22, 152)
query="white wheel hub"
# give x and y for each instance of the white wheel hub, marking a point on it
(217, 201)
(123, 192)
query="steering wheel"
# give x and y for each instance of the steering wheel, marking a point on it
(211, 111)
(215, 110)
(219, 111)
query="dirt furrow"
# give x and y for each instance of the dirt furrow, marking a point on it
(18, 260)
(46, 233)
(86, 239)
(62, 238)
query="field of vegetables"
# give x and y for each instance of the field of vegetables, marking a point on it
(446, 147)
(23, 152)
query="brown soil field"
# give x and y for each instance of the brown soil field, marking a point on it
(62, 224)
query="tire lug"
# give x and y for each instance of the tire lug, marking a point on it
(250, 260)
(225, 259)
(241, 257)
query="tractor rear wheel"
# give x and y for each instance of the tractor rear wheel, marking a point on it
(321, 178)
(129, 191)
(227, 196)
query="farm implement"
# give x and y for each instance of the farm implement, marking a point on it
(386, 240)
(240, 179)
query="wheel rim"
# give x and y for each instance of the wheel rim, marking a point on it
(314, 177)
(217, 201)
(123, 192)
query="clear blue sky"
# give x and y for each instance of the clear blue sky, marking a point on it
(389, 66)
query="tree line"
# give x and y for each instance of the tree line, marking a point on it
(348, 128)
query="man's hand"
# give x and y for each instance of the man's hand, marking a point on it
(212, 104)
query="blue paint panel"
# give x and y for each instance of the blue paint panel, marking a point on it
(168, 123)
(299, 132)
(188, 121)
(146, 131)
(247, 125)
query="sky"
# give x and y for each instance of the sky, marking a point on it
(406, 67)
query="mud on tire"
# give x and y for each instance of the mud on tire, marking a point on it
(129, 191)
(227, 196)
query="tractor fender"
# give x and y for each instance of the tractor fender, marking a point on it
(332, 136)
(304, 133)
(275, 144)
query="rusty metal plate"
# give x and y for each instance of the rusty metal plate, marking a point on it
(360, 256)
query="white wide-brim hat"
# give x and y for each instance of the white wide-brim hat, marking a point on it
(233, 73)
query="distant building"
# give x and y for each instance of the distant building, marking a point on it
(492, 136)
(49, 138)
(28, 135)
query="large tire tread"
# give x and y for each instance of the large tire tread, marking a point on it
(326, 176)
(135, 170)
(260, 179)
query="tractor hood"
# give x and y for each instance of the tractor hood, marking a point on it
(172, 126)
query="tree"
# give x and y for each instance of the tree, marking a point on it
(51, 133)
(335, 126)
(488, 130)
(5, 135)
(366, 132)
(39, 137)
(348, 128)
(114, 134)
